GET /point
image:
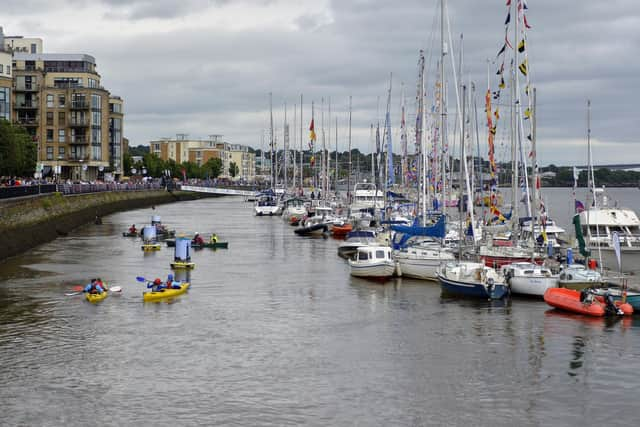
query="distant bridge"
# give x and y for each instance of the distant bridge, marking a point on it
(217, 190)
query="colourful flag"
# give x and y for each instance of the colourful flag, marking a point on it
(523, 67)
(521, 46)
(312, 135)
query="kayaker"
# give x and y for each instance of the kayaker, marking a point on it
(95, 287)
(197, 240)
(156, 285)
(133, 229)
(214, 238)
(170, 283)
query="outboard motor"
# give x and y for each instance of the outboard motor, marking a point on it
(610, 308)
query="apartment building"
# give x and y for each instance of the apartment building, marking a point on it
(246, 161)
(58, 98)
(6, 80)
(199, 151)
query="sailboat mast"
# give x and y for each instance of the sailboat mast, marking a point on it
(462, 160)
(336, 185)
(293, 150)
(592, 187)
(514, 118)
(422, 158)
(271, 146)
(301, 147)
(534, 176)
(328, 167)
(286, 145)
(419, 120)
(443, 118)
(349, 176)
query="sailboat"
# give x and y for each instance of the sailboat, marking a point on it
(600, 221)
(266, 203)
(465, 278)
(420, 259)
(497, 253)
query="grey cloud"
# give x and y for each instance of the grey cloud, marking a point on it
(211, 80)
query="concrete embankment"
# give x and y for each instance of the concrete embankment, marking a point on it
(29, 222)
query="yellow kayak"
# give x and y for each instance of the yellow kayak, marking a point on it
(165, 293)
(148, 247)
(96, 297)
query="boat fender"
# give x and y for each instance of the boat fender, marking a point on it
(490, 285)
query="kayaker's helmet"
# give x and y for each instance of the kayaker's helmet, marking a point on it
(170, 278)
(157, 281)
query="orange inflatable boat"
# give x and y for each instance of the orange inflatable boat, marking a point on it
(341, 230)
(569, 299)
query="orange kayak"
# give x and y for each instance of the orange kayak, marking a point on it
(341, 230)
(569, 300)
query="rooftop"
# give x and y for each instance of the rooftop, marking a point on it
(22, 56)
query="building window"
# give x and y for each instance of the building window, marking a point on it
(33, 48)
(61, 135)
(1, 69)
(96, 102)
(96, 153)
(49, 101)
(61, 152)
(96, 135)
(61, 101)
(61, 118)
(8, 70)
(49, 153)
(49, 135)
(49, 118)
(5, 96)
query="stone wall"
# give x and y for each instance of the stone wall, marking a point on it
(29, 222)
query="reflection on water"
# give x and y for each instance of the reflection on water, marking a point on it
(274, 331)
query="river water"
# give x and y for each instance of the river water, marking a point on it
(274, 331)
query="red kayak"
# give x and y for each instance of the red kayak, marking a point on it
(569, 299)
(341, 230)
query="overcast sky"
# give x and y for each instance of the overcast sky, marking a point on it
(207, 66)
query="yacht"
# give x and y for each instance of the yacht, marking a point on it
(366, 196)
(422, 262)
(373, 262)
(527, 278)
(598, 225)
(267, 204)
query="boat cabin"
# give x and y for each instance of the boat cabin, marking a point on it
(373, 253)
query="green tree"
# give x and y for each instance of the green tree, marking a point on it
(154, 164)
(233, 169)
(18, 153)
(127, 163)
(212, 168)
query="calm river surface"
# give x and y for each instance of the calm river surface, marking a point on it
(274, 331)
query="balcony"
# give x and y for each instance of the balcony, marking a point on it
(27, 121)
(79, 105)
(26, 105)
(32, 87)
(77, 123)
(78, 158)
(79, 139)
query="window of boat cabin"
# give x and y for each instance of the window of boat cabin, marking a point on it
(380, 254)
(363, 256)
